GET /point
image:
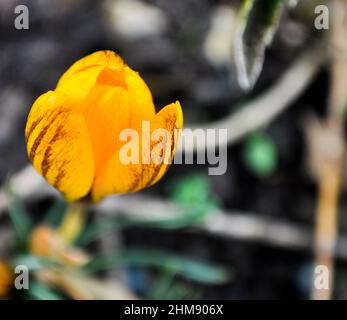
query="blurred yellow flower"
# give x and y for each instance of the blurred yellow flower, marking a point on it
(6, 279)
(73, 132)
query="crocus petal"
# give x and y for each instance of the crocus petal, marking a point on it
(59, 147)
(171, 119)
(118, 177)
(83, 74)
(140, 97)
(106, 111)
(105, 59)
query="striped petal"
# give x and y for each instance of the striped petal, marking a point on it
(118, 177)
(59, 147)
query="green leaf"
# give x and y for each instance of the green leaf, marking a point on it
(31, 262)
(18, 216)
(195, 195)
(191, 215)
(194, 189)
(166, 287)
(188, 268)
(161, 287)
(260, 154)
(38, 291)
(190, 190)
(257, 24)
(55, 213)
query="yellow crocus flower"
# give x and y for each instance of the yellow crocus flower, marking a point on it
(72, 133)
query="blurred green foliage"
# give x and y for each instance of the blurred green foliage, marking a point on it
(39, 291)
(194, 189)
(260, 154)
(193, 193)
(185, 267)
(55, 213)
(19, 217)
(166, 287)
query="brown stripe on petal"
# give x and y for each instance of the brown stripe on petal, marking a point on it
(37, 142)
(155, 174)
(32, 128)
(60, 176)
(173, 145)
(157, 168)
(45, 165)
(46, 162)
(42, 134)
(136, 181)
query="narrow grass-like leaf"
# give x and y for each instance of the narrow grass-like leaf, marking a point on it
(192, 215)
(31, 262)
(193, 193)
(257, 24)
(188, 268)
(161, 287)
(167, 287)
(38, 291)
(18, 216)
(55, 213)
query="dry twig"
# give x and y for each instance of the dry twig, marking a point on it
(331, 152)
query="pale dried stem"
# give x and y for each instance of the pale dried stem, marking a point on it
(330, 166)
(325, 233)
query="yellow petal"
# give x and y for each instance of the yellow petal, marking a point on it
(43, 105)
(107, 68)
(171, 119)
(140, 99)
(59, 147)
(118, 177)
(105, 58)
(106, 111)
(83, 74)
